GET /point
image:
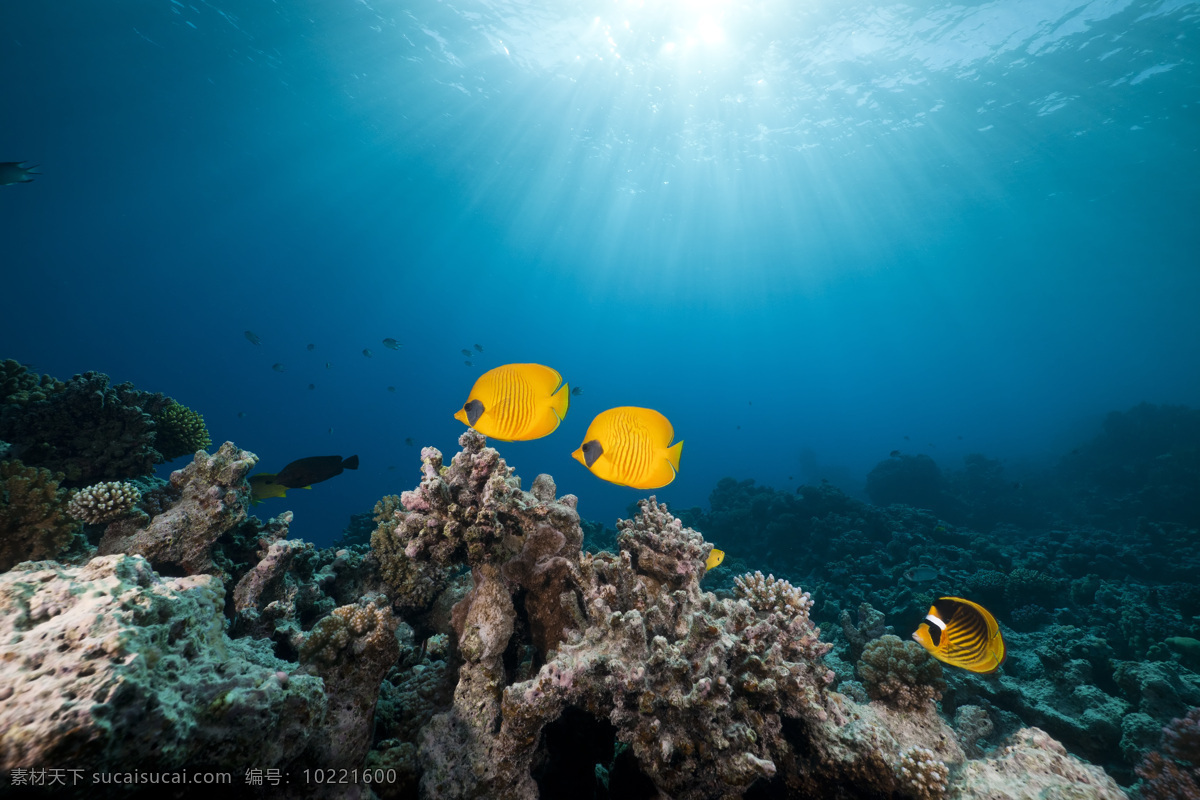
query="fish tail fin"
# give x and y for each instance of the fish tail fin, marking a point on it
(673, 454)
(302, 487)
(350, 463)
(560, 401)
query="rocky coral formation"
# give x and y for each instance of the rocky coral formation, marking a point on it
(109, 664)
(901, 673)
(104, 502)
(1173, 771)
(1030, 765)
(351, 649)
(921, 774)
(33, 519)
(213, 498)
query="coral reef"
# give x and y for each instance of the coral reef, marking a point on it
(1173, 771)
(104, 502)
(1030, 765)
(901, 673)
(109, 664)
(352, 650)
(92, 431)
(213, 498)
(33, 519)
(921, 774)
(179, 431)
(19, 386)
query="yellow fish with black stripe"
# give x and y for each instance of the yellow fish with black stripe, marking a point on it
(963, 634)
(516, 402)
(631, 446)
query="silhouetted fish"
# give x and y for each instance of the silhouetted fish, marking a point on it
(252, 337)
(314, 469)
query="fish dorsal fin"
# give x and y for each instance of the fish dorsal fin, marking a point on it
(591, 451)
(474, 411)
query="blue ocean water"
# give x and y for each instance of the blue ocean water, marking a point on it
(808, 234)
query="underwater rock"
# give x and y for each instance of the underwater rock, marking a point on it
(108, 665)
(1030, 765)
(213, 498)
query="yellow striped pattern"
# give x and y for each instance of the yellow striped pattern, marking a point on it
(971, 639)
(636, 445)
(520, 402)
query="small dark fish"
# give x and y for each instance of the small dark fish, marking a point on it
(277, 366)
(960, 437)
(252, 337)
(906, 438)
(931, 444)
(749, 402)
(466, 352)
(921, 574)
(391, 388)
(312, 386)
(468, 363)
(790, 478)
(1016, 484)
(366, 352)
(13, 172)
(894, 453)
(311, 347)
(241, 414)
(391, 344)
(331, 430)
(479, 347)
(409, 442)
(314, 469)
(739, 427)
(328, 365)
(578, 390)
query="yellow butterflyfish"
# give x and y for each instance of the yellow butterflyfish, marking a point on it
(963, 634)
(714, 559)
(631, 446)
(516, 402)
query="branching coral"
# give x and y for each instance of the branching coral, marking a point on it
(900, 673)
(104, 502)
(33, 522)
(90, 431)
(19, 386)
(179, 431)
(768, 593)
